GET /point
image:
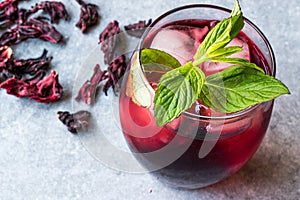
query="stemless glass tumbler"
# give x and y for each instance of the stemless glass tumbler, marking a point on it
(196, 149)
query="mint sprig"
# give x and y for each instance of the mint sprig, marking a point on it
(230, 90)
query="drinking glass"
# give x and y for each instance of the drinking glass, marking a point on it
(194, 150)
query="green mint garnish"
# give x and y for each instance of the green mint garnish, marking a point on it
(230, 90)
(174, 97)
(156, 57)
(224, 52)
(239, 87)
(237, 61)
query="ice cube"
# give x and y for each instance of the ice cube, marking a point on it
(199, 35)
(175, 42)
(213, 67)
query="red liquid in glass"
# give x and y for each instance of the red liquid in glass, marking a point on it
(239, 139)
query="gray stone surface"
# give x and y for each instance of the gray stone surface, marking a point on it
(39, 159)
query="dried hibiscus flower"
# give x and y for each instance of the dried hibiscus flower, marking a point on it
(87, 93)
(108, 39)
(56, 11)
(8, 12)
(138, 28)
(88, 17)
(17, 87)
(25, 77)
(112, 75)
(23, 67)
(33, 28)
(76, 121)
(26, 27)
(41, 90)
(30, 66)
(115, 71)
(48, 89)
(88, 90)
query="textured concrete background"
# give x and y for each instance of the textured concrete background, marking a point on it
(39, 159)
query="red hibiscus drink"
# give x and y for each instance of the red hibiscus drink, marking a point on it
(201, 146)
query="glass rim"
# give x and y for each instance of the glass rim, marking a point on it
(219, 8)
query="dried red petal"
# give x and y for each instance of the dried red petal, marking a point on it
(118, 66)
(48, 89)
(17, 87)
(67, 119)
(108, 39)
(44, 91)
(8, 12)
(138, 28)
(32, 71)
(10, 67)
(109, 84)
(98, 75)
(55, 9)
(30, 28)
(9, 37)
(75, 122)
(115, 71)
(88, 17)
(6, 3)
(33, 28)
(31, 66)
(88, 90)
(87, 93)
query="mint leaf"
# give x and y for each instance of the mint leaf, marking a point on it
(239, 87)
(237, 61)
(236, 9)
(224, 52)
(155, 56)
(177, 91)
(221, 34)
